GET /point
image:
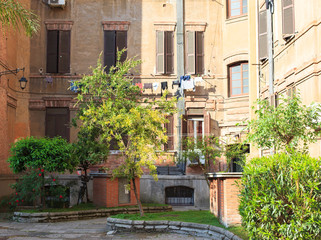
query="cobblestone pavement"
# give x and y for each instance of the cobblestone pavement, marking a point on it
(94, 229)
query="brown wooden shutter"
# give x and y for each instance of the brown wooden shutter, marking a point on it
(190, 52)
(64, 52)
(263, 53)
(288, 18)
(57, 123)
(170, 133)
(169, 51)
(109, 49)
(199, 52)
(184, 131)
(160, 52)
(52, 51)
(207, 124)
(121, 43)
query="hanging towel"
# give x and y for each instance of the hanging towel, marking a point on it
(140, 85)
(198, 79)
(187, 82)
(155, 86)
(148, 86)
(163, 87)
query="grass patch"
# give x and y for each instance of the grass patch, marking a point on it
(86, 206)
(202, 217)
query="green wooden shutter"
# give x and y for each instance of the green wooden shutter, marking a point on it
(190, 53)
(64, 52)
(109, 49)
(160, 52)
(52, 51)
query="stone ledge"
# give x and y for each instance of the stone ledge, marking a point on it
(195, 229)
(84, 214)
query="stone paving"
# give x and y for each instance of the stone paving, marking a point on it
(93, 229)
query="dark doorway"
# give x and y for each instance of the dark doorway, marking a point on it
(179, 196)
(57, 122)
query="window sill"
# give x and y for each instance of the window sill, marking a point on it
(236, 19)
(239, 96)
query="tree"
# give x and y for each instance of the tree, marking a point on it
(34, 157)
(202, 152)
(290, 125)
(13, 14)
(110, 102)
(88, 150)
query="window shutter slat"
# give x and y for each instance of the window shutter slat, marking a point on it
(263, 53)
(109, 49)
(207, 124)
(288, 18)
(190, 53)
(52, 51)
(160, 52)
(169, 36)
(199, 52)
(121, 43)
(170, 133)
(64, 52)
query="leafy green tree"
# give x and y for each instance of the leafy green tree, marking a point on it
(110, 101)
(291, 125)
(13, 14)
(88, 150)
(38, 156)
(202, 152)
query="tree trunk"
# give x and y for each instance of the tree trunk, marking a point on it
(141, 210)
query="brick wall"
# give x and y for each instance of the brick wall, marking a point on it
(224, 200)
(105, 191)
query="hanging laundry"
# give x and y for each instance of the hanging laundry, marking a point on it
(187, 83)
(155, 86)
(73, 87)
(148, 86)
(49, 79)
(164, 86)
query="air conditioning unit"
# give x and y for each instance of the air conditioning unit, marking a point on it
(56, 3)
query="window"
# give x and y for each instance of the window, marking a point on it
(164, 52)
(236, 8)
(239, 79)
(288, 19)
(195, 52)
(236, 164)
(113, 41)
(57, 122)
(58, 51)
(170, 134)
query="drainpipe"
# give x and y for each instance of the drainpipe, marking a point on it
(180, 72)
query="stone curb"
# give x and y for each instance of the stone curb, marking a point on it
(79, 215)
(195, 229)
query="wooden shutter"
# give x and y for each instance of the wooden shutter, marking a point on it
(287, 18)
(121, 43)
(170, 133)
(160, 52)
(199, 53)
(169, 51)
(207, 124)
(57, 122)
(190, 52)
(184, 131)
(109, 49)
(64, 52)
(52, 51)
(263, 53)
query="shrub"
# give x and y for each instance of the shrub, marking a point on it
(281, 197)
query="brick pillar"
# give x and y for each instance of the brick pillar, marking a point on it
(224, 200)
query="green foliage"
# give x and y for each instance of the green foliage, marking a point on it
(291, 125)
(30, 188)
(111, 103)
(236, 151)
(281, 197)
(50, 154)
(13, 14)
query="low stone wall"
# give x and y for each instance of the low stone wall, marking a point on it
(79, 215)
(200, 230)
